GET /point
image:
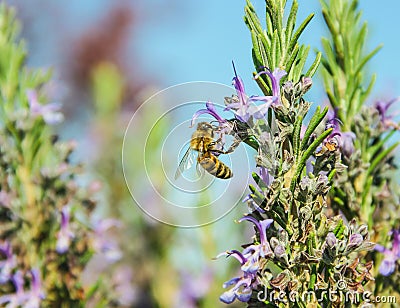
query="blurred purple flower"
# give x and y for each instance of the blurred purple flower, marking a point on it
(383, 108)
(391, 256)
(7, 265)
(103, 243)
(65, 234)
(249, 260)
(194, 287)
(244, 107)
(49, 112)
(21, 298)
(5, 198)
(123, 285)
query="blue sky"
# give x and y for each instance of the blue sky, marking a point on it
(179, 41)
(196, 40)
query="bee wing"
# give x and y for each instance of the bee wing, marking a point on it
(200, 170)
(186, 162)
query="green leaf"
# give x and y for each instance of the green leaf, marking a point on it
(366, 93)
(331, 175)
(299, 31)
(366, 59)
(339, 229)
(310, 150)
(313, 68)
(381, 157)
(296, 135)
(259, 61)
(251, 18)
(291, 21)
(372, 151)
(275, 51)
(314, 122)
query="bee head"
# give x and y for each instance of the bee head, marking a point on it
(205, 126)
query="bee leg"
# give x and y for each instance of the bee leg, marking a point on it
(233, 146)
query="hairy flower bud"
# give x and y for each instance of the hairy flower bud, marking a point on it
(363, 230)
(341, 246)
(331, 240)
(274, 242)
(279, 251)
(355, 241)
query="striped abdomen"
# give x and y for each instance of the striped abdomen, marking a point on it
(214, 166)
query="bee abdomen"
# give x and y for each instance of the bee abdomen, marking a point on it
(215, 167)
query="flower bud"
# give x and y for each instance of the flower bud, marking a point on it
(341, 246)
(306, 83)
(279, 251)
(273, 242)
(355, 241)
(363, 230)
(331, 240)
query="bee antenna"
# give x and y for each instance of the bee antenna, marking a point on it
(234, 69)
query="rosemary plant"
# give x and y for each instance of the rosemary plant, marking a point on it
(324, 190)
(46, 238)
(367, 189)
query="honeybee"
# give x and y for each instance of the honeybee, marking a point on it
(203, 142)
(329, 146)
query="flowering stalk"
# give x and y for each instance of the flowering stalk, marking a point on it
(367, 189)
(298, 247)
(44, 247)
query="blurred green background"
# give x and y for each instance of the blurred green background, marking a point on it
(108, 58)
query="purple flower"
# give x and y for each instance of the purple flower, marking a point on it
(275, 77)
(7, 265)
(242, 290)
(262, 227)
(382, 108)
(250, 264)
(242, 285)
(210, 109)
(244, 107)
(36, 293)
(391, 256)
(22, 298)
(224, 127)
(345, 139)
(65, 234)
(302, 131)
(355, 241)
(267, 178)
(49, 112)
